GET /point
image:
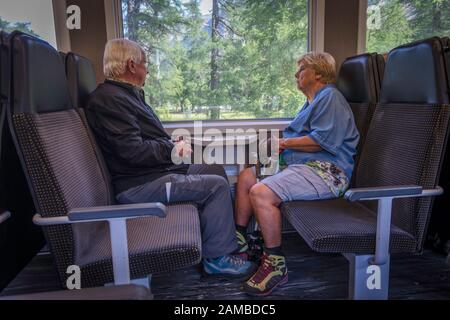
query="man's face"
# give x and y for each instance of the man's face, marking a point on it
(139, 71)
(142, 71)
(306, 76)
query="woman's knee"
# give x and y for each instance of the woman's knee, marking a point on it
(262, 195)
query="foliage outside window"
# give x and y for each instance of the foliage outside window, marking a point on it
(220, 59)
(32, 17)
(392, 23)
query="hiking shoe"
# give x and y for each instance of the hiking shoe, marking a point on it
(271, 273)
(228, 265)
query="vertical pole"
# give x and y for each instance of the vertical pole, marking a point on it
(119, 248)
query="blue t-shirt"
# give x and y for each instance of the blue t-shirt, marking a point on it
(328, 120)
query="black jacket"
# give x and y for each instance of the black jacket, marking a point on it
(133, 141)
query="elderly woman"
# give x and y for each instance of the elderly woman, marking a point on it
(318, 146)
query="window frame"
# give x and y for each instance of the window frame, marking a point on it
(362, 26)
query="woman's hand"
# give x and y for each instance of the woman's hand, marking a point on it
(282, 144)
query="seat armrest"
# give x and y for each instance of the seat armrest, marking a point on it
(117, 217)
(110, 213)
(118, 211)
(385, 196)
(4, 216)
(374, 193)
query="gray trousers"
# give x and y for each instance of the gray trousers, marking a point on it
(208, 187)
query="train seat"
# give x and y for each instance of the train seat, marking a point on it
(388, 208)
(71, 188)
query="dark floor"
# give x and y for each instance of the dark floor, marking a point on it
(311, 276)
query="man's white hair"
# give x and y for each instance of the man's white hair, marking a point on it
(117, 54)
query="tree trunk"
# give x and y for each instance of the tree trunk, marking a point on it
(436, 24)
(133, 7)
(214, 84)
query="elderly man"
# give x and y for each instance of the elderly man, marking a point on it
(138, 151)
(318, 148)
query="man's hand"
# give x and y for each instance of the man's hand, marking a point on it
(182, 148)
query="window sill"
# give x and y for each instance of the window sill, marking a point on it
(222, 125)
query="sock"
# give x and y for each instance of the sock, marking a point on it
(242, 230)
(275, 251)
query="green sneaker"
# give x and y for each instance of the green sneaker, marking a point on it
(271, 273)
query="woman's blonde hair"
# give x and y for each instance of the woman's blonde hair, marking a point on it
(117, 54)
(323, 63)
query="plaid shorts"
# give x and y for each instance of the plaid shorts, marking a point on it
(298, 182)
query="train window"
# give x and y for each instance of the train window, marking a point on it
(33, 17)
(391, 23)
(220, 59)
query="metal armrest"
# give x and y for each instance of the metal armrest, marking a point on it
(117, 217)
(385, 195)
(118, 211)
(376, 193)
(109, 213)
(4, 216)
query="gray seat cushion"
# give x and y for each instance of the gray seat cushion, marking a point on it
(338, 226)
(155, 245)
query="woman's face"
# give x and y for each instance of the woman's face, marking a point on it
(306, 77)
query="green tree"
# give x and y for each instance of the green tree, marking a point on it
(429, 18)
(19, 26)
(403, 21)
(242, 56)
(393, 29)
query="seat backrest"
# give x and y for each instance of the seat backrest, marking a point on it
(407, 136)
(379, 73)
(56, 147)
(413, 72)
(23, 239)
(359, 82)
(446, 46)
(356, 79)
(439, 230)
(63, 56)
(80, 77)
(4, 79)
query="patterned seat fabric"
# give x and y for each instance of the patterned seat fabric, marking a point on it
(359, 81)
(66, 171)
(341, 226)
(80, 78)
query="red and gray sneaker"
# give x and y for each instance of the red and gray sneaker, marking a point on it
(271, 273)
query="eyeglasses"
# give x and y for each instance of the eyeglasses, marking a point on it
(143, 63)
(303, 68)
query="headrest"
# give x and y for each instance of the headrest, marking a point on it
(4, 66)
(39, 83)
(415, 73)
(356, 79)
(63, 56)
(379, 73)
(81, 78)
(446, 46)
